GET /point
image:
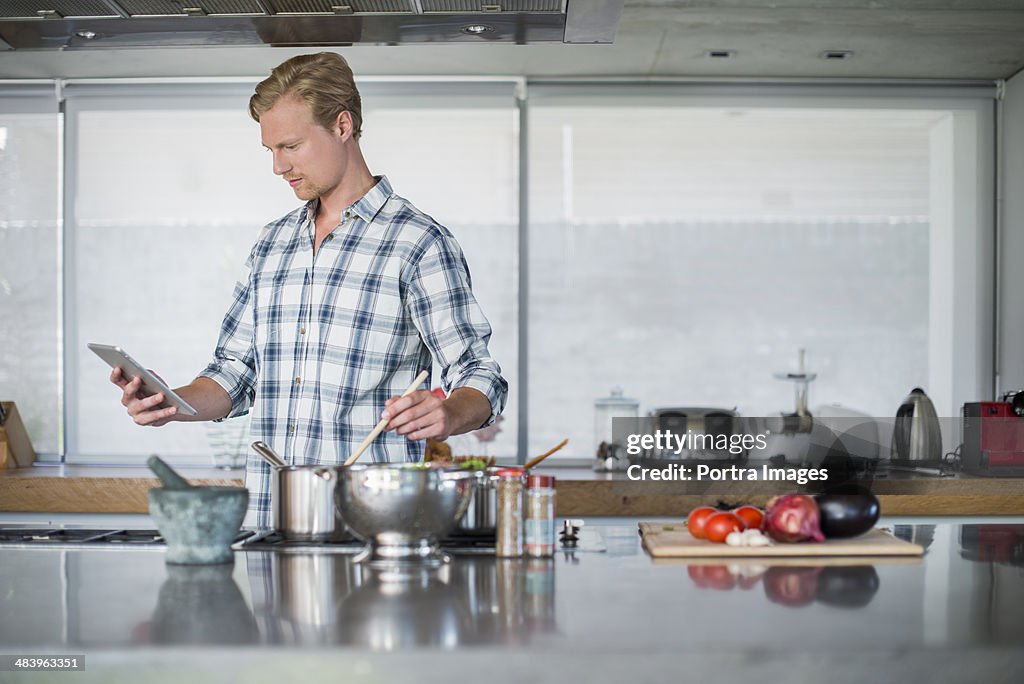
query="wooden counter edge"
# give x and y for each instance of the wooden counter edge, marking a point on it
(85, 494)
(96, 494)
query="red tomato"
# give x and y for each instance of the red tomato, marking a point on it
(752, 516)
(719, 525)
(699, 516)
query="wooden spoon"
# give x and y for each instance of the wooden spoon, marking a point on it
(531, 463)
(384, 422)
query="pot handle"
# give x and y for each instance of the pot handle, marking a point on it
(325, 474)
(268, 454)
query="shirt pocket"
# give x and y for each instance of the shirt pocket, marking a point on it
(278, 303)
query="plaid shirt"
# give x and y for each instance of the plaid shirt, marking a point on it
(312, 347)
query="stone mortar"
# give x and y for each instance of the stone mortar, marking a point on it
(200, 523)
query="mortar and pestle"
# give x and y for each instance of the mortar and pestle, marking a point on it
(199, 523)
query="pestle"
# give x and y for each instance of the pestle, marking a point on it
(167, 475)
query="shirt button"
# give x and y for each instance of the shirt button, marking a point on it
(291, 428)
(330, 236)
(302, 330)
(298, 380)
(348, 214)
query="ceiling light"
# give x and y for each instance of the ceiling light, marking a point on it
(836, 54)
(720, 54)
(477, 29)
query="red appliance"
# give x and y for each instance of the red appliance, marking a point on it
(994, 437)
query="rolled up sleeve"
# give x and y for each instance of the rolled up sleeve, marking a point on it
(451, 322)
(234, 361)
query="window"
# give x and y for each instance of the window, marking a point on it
(171, 188)
(685, 241)
(686, 247)
(170, 193)
(29, 261)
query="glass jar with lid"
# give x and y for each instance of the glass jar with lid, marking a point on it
(539, 535)
(509, 523)
(612, 455)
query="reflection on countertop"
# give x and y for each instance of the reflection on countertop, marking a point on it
(328, 599)
(964, 594)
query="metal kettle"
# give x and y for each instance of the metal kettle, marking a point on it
(917, 435)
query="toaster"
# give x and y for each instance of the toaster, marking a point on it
(994, 437)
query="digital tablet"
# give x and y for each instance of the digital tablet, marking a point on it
(130, 369)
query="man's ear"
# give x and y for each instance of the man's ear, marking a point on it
(343, 124)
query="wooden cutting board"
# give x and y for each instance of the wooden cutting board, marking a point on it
(673, 540)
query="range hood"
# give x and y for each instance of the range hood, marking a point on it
(91, 24)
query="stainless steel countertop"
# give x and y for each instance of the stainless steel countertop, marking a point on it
(955, 612)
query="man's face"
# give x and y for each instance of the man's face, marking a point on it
(308, 156)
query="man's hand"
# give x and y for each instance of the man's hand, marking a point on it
(423, 414)
(419, 415)
(208, 398)
(142, 408)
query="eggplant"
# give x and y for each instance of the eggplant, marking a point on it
(847, 513)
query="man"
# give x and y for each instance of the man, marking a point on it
(341, 303)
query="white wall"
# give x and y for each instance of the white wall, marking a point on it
(1011, 283)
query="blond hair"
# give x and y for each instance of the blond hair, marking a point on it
(323, 80)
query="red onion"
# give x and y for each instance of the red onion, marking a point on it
(793, 518)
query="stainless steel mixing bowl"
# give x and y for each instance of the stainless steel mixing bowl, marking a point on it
(403, 511)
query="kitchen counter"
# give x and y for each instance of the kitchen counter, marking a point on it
(581, 491)
(591, 615)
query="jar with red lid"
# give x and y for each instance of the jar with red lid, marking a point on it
(540, 516)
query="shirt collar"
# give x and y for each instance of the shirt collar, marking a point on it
(366, 207)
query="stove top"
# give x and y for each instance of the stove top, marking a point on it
(246, 540)
(78, 537)
(271, 540)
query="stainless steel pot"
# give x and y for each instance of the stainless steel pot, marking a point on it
(482, 514)
(302, 499)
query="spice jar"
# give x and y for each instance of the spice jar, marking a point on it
(540, 516)
(510, 513)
